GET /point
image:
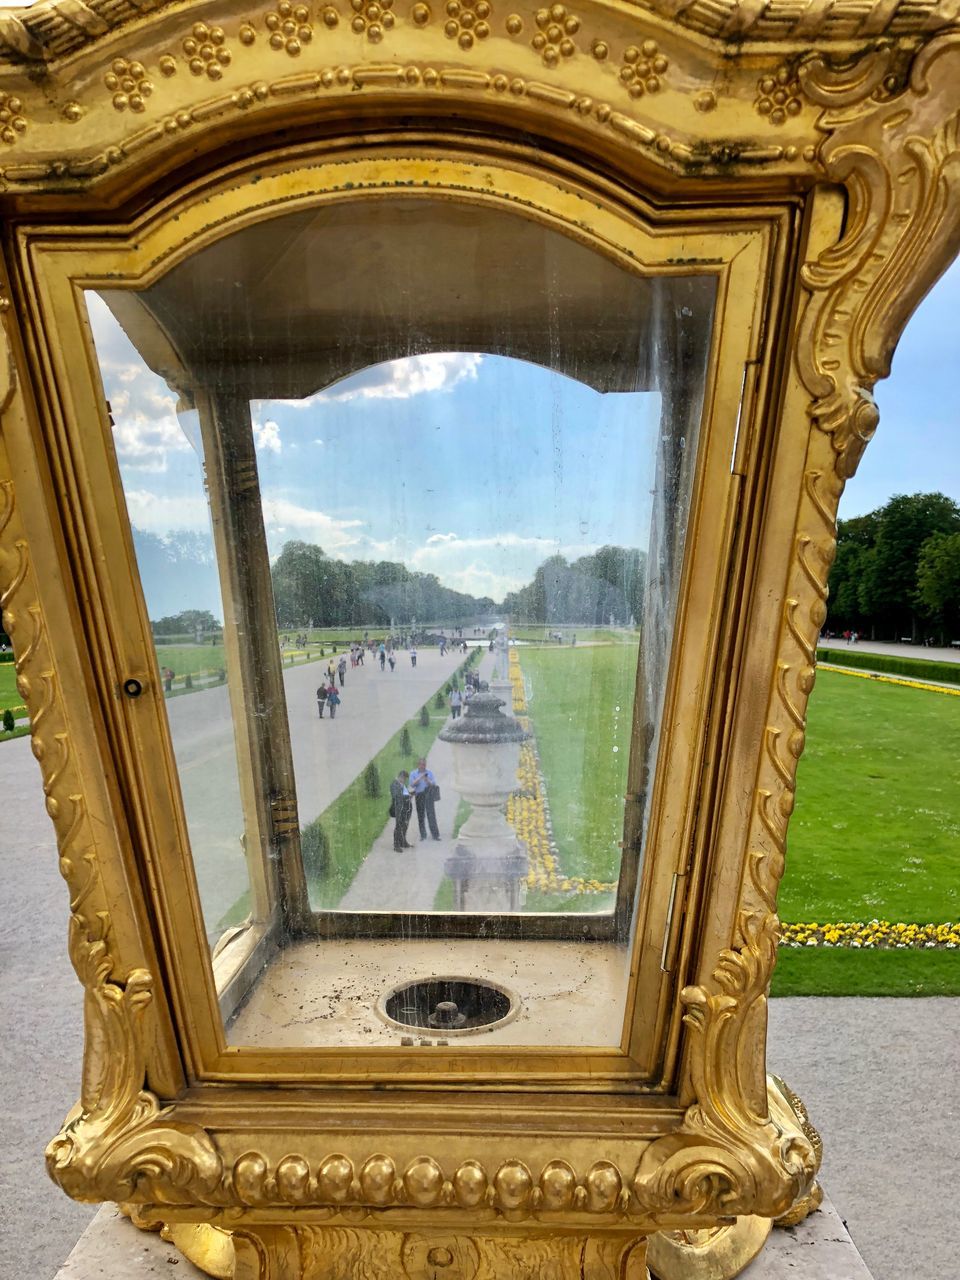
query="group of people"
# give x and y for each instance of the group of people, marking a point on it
(408, 790)
(328, 697)
(418, 790)
(461, 698)
(388, 656)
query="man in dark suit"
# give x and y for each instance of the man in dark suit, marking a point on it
(401, 807)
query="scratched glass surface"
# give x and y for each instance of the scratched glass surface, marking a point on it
(409, 515)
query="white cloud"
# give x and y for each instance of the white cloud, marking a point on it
(287, 521)
(266, 436)
(409, 376)
(489, 566)
(144, 409)
(144, 435)
(160, 513)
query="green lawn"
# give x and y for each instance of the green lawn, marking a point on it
(875, 834)
(838, 971)
(9, 697)
(190, 659)
(876, 830)
(595, 635)
(580, 703)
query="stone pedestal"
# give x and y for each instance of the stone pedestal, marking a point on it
(489, 865)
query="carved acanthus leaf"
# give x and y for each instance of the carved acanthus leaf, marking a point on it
(899, 160)
(729, 1156)
(116, 1143)
(119, 1143)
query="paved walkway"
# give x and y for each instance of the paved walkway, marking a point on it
(41, 1012)
(327, 755)
(894, 650)
(390, 881)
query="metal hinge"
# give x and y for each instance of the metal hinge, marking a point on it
(283, 812)
(670, 938)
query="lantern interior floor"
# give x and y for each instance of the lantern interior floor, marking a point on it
(331, 992)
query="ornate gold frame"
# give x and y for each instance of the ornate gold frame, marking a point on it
(856, 144)
(56, 269)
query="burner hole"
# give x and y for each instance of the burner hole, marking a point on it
(450, 1005)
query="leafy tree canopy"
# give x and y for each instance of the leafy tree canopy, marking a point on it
(190, 620)
(875, 583)
(591, 591)
(311, 589)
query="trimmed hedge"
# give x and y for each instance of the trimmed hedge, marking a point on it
(315, 848)
(7, 656)
(909, 668)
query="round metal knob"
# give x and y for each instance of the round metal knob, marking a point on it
(447, 1014)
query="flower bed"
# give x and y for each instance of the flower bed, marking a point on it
(528, 811)
(876, 934)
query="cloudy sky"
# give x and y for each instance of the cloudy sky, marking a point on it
(476, 468)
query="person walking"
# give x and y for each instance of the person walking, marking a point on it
(383, 657)
(400, 810)
(321, 699)
(456, 702)
(413, 655)
(342, 669)
(333, 700)
(423, 784)
(392, 660)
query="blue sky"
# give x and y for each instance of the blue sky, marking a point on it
(475, 467)
(917, 445)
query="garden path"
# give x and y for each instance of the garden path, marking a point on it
(895, 650)
(327, 755)
(408, 881)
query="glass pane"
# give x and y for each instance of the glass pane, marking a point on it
(445, 555)
(160, 457)
(448, 477)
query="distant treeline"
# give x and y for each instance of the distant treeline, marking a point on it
(188, 623)
(310, 588)
(590, 591)
(897, 571)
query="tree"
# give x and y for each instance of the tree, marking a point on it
(590, 591)
(309, 587)
(888, 584)
(855, 539)
(938, 581)
(190, 620)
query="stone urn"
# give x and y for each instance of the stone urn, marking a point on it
(489, 865)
